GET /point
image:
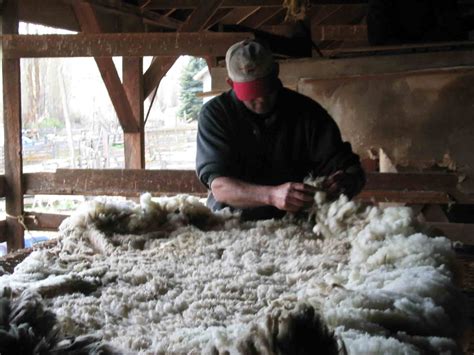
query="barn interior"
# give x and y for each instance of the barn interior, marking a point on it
(396, 76)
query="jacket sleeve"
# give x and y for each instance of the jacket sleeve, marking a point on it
(213, 155)
(330, 154)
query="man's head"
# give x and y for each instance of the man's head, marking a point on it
(253, 74)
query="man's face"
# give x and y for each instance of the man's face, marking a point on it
(262, 105)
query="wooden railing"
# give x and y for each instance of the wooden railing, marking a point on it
(409, 188)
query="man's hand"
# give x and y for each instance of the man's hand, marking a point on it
(292, 196)
(341, 183)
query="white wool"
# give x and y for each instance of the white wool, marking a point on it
(173, 287)
(363, 343)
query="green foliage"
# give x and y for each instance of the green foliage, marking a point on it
(190, 104)
(51, 122)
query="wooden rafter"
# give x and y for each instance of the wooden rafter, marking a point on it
(191, 4)
(88, 21)
(217, 17)
(200, 16)
(260, 17)
(238, 15)
(119, 44)
(123, 8)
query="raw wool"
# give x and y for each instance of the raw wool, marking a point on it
(300, 331)
(397, 281)
(27, 328)
(192, 281)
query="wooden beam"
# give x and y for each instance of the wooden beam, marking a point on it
(461, 232)
(3, 231)
(400, 196)
(411, 181)
(434, 213)
(88, 21)
(134, 143)
(400, 49)
(153, 75)
(44, 221)
(119, 44)
(195, 22)
(339, 32)
(2, 185)
(414, 188)
(281, 46)
(382, 187)
(12, 134)
(117, 95)
(113, 182)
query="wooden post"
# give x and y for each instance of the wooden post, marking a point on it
(12, 132)
(133, 83)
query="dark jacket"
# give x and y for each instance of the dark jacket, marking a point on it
(297, 139)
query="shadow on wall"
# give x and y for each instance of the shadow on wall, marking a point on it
(418, 118)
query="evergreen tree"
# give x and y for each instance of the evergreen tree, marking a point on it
(190, 104)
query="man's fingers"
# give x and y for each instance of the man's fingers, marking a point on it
(301, 196)
(293, 205)
(307, 189)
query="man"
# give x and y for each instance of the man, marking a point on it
(257, 142)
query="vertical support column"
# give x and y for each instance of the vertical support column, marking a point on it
(12, 129)
(133, 84)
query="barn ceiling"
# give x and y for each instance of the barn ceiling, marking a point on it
(331, 23)
(324, 25)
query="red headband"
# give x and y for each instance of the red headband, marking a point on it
(254, 89)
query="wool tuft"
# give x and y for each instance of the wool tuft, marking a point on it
(169, 276)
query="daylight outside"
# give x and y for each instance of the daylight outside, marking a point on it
(68, 121)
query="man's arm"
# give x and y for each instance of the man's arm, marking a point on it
(290, 197)
(334, 158)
